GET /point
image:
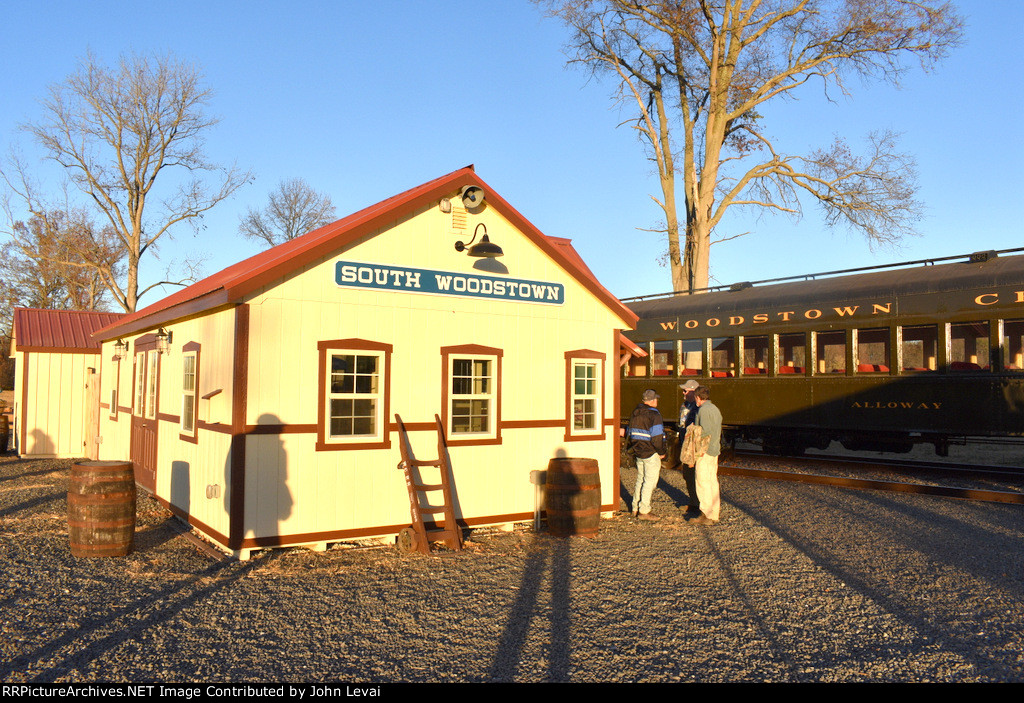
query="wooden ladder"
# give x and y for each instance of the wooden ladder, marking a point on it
(418, 537)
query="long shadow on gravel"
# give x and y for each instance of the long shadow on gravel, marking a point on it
(105, 631)
(551, 559)
(33, 503)
(939, 622)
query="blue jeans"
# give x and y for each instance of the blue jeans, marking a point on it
(647, 472)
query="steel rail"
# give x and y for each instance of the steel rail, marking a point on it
(887, 464)
(985, 495)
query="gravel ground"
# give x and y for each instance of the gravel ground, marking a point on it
(797, 583)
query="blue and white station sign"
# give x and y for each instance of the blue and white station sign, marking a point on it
(352, 274)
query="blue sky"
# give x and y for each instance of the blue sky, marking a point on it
(365, 100)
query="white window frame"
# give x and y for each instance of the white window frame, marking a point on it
(584, 358)
(381, 353)
(189, 396)
(488, 394)
(593, 396)
(474, 354)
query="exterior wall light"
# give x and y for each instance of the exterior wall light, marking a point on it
(163, 340)
(482, 249)
(120, 350)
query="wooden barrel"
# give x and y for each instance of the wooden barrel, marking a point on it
(101, 508)
(573, 489)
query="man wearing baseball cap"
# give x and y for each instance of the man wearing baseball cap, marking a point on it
(646, 435)
(687, 414)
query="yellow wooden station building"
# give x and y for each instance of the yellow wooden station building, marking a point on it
(260, 403)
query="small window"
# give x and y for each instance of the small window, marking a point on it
(723, 362)
(692, 357)
(472, 393)
(968, 346)
(139, 407)
(920, 348)
(792, 354)
(354, 394)
(1013, 345)
(755, 356)
(113, 403)
(585, 394)
(872, 355)
(831, 349)
(663, 362)
(189, 390)
(152, 379)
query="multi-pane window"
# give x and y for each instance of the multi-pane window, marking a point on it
(189, 390)
(585, 397)
(354, 387)
(140, 384)
(354, 395)
(152, 372)
(472, 395)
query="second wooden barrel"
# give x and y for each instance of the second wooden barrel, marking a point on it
(573, 490)
(101, 508)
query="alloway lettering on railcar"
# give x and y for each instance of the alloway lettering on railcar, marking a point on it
(352, 274)
(867, 310)
(896, 405)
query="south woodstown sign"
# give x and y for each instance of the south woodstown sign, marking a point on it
(353, 274)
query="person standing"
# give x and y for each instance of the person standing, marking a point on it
(647, 437)
(709, 419)
(687, 414)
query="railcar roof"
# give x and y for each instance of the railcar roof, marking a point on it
(936, 278)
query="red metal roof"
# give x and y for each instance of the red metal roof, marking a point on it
(233, 283)
(59, 330)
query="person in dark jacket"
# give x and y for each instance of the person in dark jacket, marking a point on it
(647, 437)
(687, 415)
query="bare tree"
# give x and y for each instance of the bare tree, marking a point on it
(292, 210)
(131, 139)
(43, 265)
(698, 72)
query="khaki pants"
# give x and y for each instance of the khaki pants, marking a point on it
(706, 477)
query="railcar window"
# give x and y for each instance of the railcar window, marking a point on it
(1013, 345)
(663, 362)
(920, 348)
(872, 350)
(831, 348)
(755, 355)
(968, 346)
(692, 353)
(723, 362)
(792, 353)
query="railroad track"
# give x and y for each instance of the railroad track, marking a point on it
(729, 467)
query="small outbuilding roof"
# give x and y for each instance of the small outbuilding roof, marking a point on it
(59, 330)
(233, 283)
